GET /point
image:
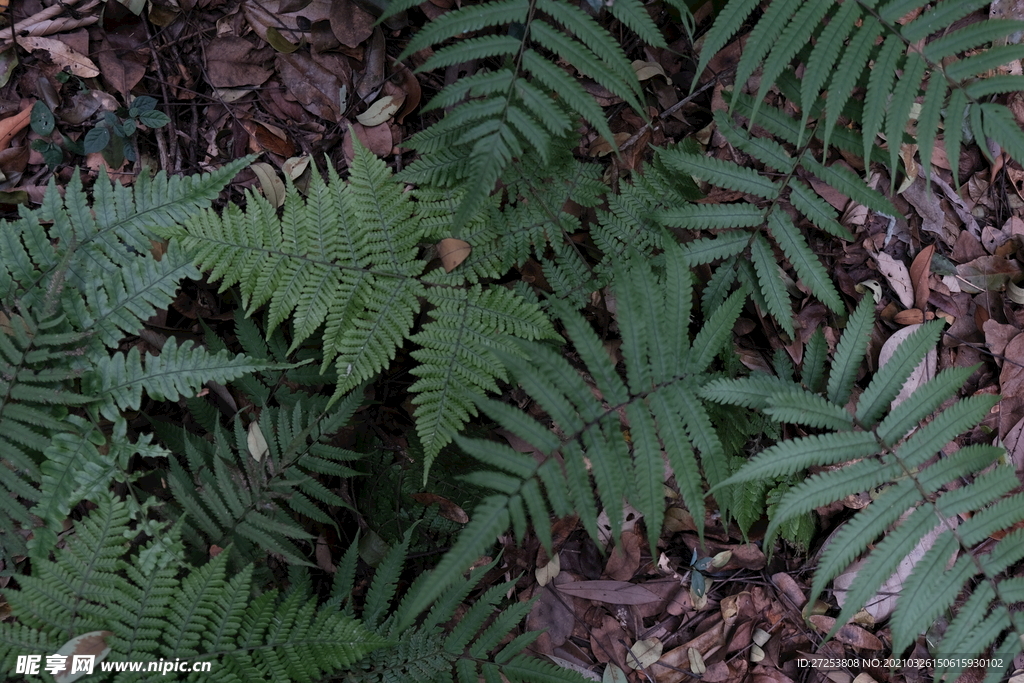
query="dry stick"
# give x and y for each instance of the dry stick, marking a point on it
(671, 110)
(161, 145)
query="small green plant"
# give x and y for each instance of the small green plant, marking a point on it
(112, 134)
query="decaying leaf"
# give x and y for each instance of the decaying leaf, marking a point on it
(644, 653)
(449, 510)
(849, 634)
(549, 571)
(612, 592)
(61, 55)
(452, 251)
(380, 111)
(256, 442)
(93, 643)
(272, 186)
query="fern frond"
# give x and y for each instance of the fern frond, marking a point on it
(524, 107)
(119, 380)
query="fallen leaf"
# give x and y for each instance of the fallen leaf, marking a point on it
(272, 186)
(279, 42)
(380, 111)
(452, 251)
(883, 603)
(313, 85)
(13, 125)
(987, 273)
(61, 55)
(255, 440)
(350, 23)
(613, 674)
(449, 510)
(852, 635)
(612, 592)
(920, 270)
(644, 653)
(898, 276)
(230, 63)
(296, 166)
(93, 643)
(377, 139)
(648, 70)
(1011, 377)
(549, 571)
(924, 372)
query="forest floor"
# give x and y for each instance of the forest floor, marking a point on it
(293, 80)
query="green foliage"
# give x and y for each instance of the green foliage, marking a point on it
(658, 403)
(112, 135)
(836, 41)
(523, 103)
(69, 292)
(474, 648)
(900, 451)
(741, 243)
(345, 259)
(148, 604)
(234, 491)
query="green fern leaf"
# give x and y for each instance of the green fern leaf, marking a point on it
(941, 16)
(118, 381)
(921, 404)
(907, 87)
(771, 284)
(886, 385)
(723, 173)
(771, 24)
(791, 40)
(850, 68)
(880, 80)
(806, 264)
(928, 120)
(633, 14)
(706, 250)
(727, 23)
(817, 210)
(711, 216)
(490, 518)
(802, 407)
(454, 24)
(824, 55)
(795, 455)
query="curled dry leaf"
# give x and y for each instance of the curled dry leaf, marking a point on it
(296, 166)
(549, 571)
(789, 587)
(920, 270)
(272, 186)
(449, 510)
(452, 251)
(849, 634)
(648, 70)
(380, 111)
(13, 125)
(61, 55)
